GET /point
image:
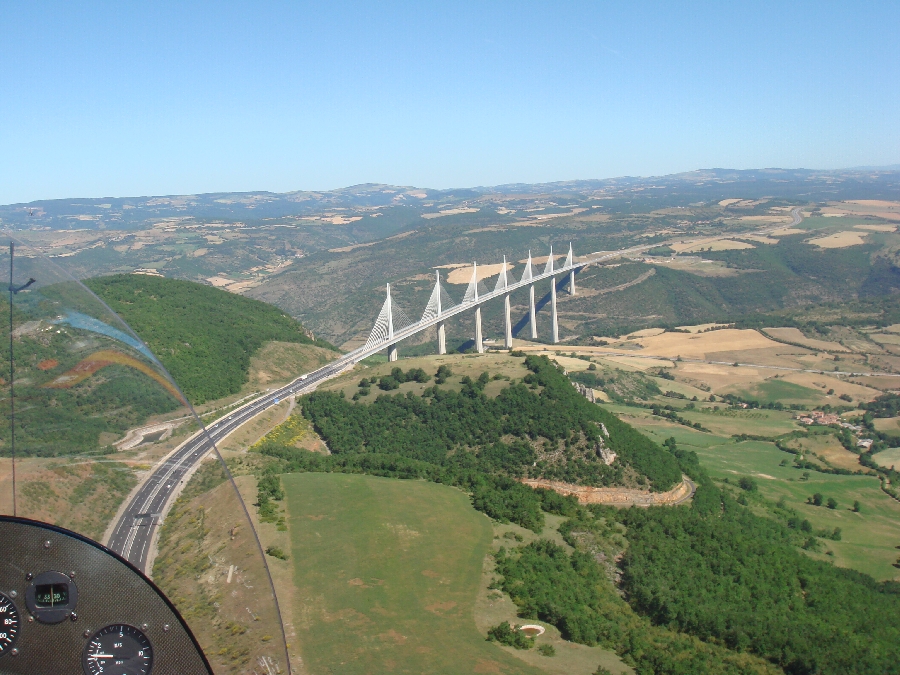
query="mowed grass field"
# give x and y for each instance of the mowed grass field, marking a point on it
(869, 539)
(387, 573)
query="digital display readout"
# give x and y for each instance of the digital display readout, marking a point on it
(51, 595)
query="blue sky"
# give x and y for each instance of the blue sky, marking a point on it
(137, 98)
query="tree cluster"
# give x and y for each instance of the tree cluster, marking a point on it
(510, 636)
(204, 336)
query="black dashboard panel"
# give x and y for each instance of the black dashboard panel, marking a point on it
(79, 608)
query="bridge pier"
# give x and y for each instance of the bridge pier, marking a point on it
(553, 310)
(442, 338)
(385, 335)
(531, 313)
(479, 343)
(508, 342)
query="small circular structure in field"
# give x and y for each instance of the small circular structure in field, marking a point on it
(532, 630)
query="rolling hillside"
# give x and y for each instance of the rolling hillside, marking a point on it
(204, 336)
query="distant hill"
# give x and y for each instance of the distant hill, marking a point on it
(204, 336)
(324, 257)
(132, 213)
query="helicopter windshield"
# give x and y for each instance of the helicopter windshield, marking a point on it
(97, 438)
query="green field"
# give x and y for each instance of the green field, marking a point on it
(387, 573)
(869, 538)
(774, 391)
(888, 458)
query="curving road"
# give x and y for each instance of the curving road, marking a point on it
(133, 534)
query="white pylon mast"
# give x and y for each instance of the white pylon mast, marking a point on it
(441, 329)
(390, 314)
(548, 268)
(437, 274)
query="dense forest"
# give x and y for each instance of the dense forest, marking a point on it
(76, 385)
(573, 593)
(203, 336)
(714, 571)
(726, 575)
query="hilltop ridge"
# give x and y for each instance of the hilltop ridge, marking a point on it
(258, 206)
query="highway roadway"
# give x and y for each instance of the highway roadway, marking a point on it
(133, 534)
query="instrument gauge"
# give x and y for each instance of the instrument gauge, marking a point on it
(119, 649)
(9, 624)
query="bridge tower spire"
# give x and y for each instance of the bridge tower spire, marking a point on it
(527, 275)
(392, 348)
(553, 316)
(441, 330)
(479, 342)
(506, 310)
(570, 260)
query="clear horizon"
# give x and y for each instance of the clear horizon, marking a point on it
(106, 100)
(887, 167)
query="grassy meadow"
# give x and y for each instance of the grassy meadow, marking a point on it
(386, 574)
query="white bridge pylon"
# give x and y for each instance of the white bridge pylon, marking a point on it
(394, 325)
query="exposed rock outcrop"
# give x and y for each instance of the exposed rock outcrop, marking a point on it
(615, 496)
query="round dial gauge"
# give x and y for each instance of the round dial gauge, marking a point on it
(119, 649)
(9, 624)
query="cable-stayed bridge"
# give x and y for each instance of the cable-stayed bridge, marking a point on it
(394, 325)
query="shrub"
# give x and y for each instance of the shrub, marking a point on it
(387, 383)
(276, 552)
(547, 650)
(748, 484)
(510, 636)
